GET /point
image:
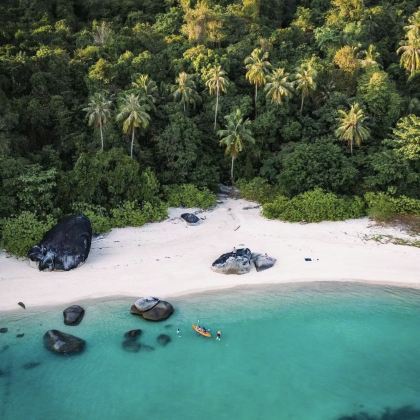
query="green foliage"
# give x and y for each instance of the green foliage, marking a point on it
(257, 189)
(20, 233)
(98, 216)
(384, 207)
(131, 214)
(314, 206)
(188, 195)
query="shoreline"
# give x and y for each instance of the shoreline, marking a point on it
(171, 259)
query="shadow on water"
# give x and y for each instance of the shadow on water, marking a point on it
(402, 413)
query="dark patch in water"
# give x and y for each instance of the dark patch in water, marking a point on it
(163, 339)
(131, 345)
(4, 330)
(133, 334)
(4, 373)
(20, 335)
(31, 365)
(403, 413)
(4, 348)
(147, 348)
(168, 326)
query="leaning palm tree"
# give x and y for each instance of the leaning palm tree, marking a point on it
(410, 50)
(217, 83)
(147, 89)
(233, 137)
(134, 115)
(185, 91)
(351, 126)
(257, 66)
(98, 113)
(305, 81)
(278, 86)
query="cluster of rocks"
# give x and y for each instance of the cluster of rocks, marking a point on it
(152, 308)
(241, 261)
(65, 246)
(132, 344)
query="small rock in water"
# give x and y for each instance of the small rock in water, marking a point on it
(31, 365)
(133, 334)
(61, 343)
(20, 335)
(4, 330)
(147, 348)
(73, 315)
(163, 339)
(22, 305)
(131, 346)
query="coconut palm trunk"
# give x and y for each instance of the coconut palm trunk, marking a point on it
(102, 134)
(132, 141)
(301, 103)
(217, 106)
(231, 170)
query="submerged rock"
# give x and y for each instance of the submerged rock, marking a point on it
(131, 345)
(144, 304)
(22, 305)
(20, 335)
(190, 218)
(163, 339)
(65, 246)
(145, 347)
(4, 330)
(163, 310)
(133, 334)
(31, 365)
(263, 262)
(4, 348)
(73, 315)
(62, 343)
(235, 262)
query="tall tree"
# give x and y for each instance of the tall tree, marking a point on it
(133, 113)
(185, 91)
(257, 66)
(278, 86)
(217, 83)
(147, 89)
(98, 113)
(102, 33)
(234, 136)
(305, 81)
(410, 48)
(352, 126)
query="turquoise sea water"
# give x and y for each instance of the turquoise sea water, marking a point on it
(311, 351)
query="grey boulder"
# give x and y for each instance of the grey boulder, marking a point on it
(144, 304)
(263, 262)
(235, 262)
(73, 315)
(163, 310)
(62, 343)
(190, 218)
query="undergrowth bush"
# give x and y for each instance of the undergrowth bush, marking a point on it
(20, 233)
(131, 214)
(98, 216)
(188, 195)
(383, 207)
(257, 189)
(314, 206)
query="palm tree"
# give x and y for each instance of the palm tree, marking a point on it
(257, 66)
(370, 56)
(351, 126)
(184, 91)
(278, 86)
(305, 81)
(101, 33)
(98, 112)
(147, 89)
(217, 83)
(134, 115)
(410, 50)
(233, 137)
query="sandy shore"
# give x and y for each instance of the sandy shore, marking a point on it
(170, 258)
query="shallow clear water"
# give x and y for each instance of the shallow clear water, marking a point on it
(311, 351)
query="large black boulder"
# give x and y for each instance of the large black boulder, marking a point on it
(190, 218)
(73, 315)
(65, 246)
(238, 261)
(62, 343)
(144, 304)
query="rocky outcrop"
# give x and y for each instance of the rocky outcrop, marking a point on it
(73, 315)
(190, 218)
(238, 261)
(163, 339)
(155, 310)
(65, 246)
(62, 343)
(263, 262)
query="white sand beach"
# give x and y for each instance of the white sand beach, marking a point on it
(170, 258)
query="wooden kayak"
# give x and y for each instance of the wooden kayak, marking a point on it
(200, 331)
